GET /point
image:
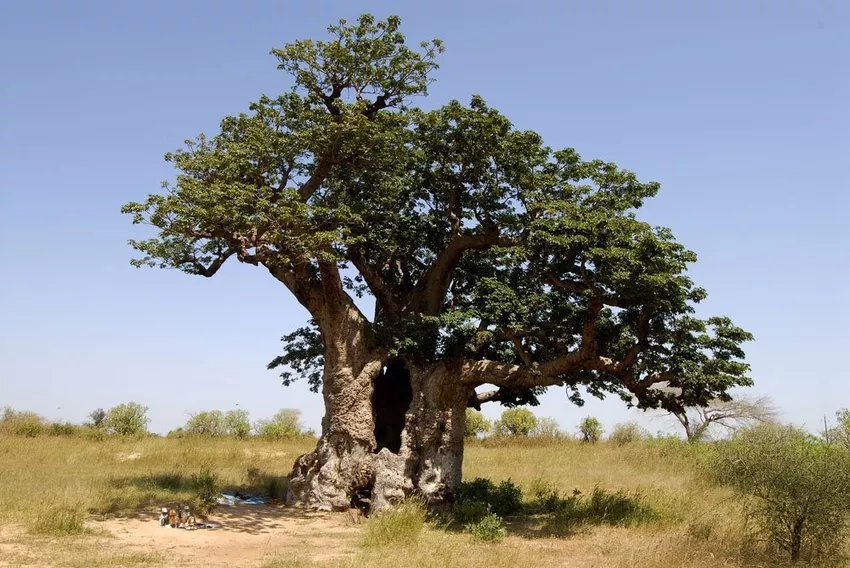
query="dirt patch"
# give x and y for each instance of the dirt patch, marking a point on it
(248, 536)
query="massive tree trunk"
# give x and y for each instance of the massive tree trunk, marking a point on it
(391, 430)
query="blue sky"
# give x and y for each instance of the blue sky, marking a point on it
(740, 109)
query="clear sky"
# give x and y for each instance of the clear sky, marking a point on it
(741, 109)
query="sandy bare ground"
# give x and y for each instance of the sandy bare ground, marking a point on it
(248, 536)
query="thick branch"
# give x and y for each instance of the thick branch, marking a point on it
(431, 289)
(382, 293)
(309, 187)
(477, 399)
(209, 270)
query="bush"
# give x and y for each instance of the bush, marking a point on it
(516, 422)
(27, 424)
(504, 499)
(127, 419)
(469, 512)
(795, 488)
(399, 526)
(206, 423)
(489, 528)
(283, 425)
(94, 434)
(98, 418)
(236, 424)
(590, 429)
(63, 429)
(28, 428)
(547, 498)
(626, 433)
(547, 428)
(206, 487)
(176, 433)
(840, 434)
(476, 424)
(602, 508)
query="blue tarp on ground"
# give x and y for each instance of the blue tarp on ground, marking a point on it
(234, 498)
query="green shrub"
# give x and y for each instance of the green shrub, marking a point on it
(206, 488)
(476, 424)
(504, 499)
(284, 425)
(127, 419)
(206, 423)
(507, 498)
(795, 489)
(176, 433)
(516, 422)
(840, 434)
(547, 428)
(62, 429)
(237, 424)
(627, 433)
(28, 428)
(546, 498)
(98, 418)
(470, 512)
(399, 526)
(22, 423)
(602, 508)
(590, 429)
(95, 434)
(490, 528)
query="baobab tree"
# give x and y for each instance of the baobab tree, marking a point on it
(492, 260)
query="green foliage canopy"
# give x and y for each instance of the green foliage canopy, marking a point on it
(128, 419)
(796, 488)
(516, 422)
(479, 243)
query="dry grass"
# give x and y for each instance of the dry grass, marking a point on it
(53, 486)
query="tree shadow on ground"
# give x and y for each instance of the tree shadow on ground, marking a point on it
(554, 516)
(142, 497)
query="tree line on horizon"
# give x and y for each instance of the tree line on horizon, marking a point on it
(131, 420)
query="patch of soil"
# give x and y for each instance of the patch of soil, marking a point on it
(249, 535)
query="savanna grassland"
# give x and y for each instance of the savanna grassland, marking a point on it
(66, 501)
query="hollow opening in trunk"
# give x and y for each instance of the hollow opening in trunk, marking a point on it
(391, 397)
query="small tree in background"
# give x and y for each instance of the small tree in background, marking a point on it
(98, 417)
(590, 429)
(206, 423)
(732, 415)
(795, 488)
(627, 432)
(840, 433)
(476, 424)
(285, 424)
(237, 424)
(516, 422)
(548, 428)
(22, 423)
(127, 419)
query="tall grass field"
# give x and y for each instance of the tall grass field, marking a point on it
(643, 504)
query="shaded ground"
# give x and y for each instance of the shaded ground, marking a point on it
(248, 536)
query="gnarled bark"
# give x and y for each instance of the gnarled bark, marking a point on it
(421, 454)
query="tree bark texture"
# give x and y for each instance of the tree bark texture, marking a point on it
(391, 430)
